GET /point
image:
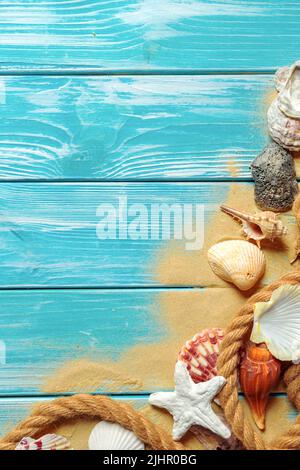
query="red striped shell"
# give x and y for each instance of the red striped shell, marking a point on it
(200, 354)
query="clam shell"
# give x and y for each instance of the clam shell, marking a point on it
(200, 354)
(112, 436)
(277, 323)
(238, 262)
(47, 442)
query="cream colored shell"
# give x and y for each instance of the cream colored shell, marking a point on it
(237, 261)
(258, 226)
(277, 323)
(284, 112)
(112, 436)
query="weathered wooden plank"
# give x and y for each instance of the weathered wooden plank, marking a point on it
(279, 416)
(55, 234)
(147, 35)
(108, 341)
(98, 338)
(131, 128)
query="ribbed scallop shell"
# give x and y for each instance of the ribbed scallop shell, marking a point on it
(200, 354)
(238, 262)
(47, 442)
(284, 112)
(112, 436)
(277, 322)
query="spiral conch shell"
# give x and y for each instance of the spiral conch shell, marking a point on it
(258, 226)
(259, 374)
(284, 112)
(237, 261)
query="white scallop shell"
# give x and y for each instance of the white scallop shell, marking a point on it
(283, 129)
(237, 261)
(112, 436)
(284, 112)
(289, 97)
(47, 442)
(281, 77)
(277, 322)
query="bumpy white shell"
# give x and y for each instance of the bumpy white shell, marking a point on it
(284, 112)
(289, 97)
(112, 436)
(283, 129)
(281, 77)
(277, 323)
(237, 261)
(47, 442)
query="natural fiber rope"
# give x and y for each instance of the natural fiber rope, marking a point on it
(50, 415)
(227, 366)
(54, 413)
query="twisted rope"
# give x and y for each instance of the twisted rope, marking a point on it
(50, 415)
(235, 336)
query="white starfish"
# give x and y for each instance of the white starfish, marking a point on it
(190, 403)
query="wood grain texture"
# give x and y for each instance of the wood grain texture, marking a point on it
(42, 330)
(147, 35)
(131, 128)
(48, 233)
(106, 341)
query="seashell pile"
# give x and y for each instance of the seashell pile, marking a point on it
(112, 436)
(275, 179)
(47, 442)
(259, 226)
(259, 374)
(284, 112)
(200, 354)
(238, 262)
(277, 323)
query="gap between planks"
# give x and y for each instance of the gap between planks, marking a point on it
(85, 71)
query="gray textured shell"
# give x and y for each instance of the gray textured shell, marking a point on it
(275, 179)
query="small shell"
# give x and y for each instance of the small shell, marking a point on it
(200, 354)
(259, 374)
(112, 436)
(47, 442)
(237, 261)
(258, 226)
(277, 322)
(284, 112)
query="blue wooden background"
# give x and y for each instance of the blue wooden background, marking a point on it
(158, 100)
